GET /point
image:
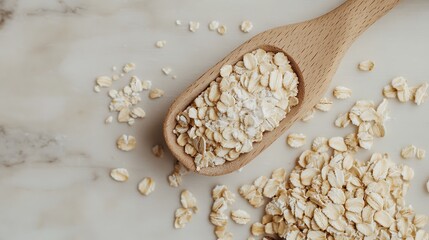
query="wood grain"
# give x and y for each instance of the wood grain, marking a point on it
(315, 48)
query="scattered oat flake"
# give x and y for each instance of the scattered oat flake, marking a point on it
(115, 77)
(389, 91)
(188, 200)
(222, 30)
(97, 88)
(138, 112)
(182, 217)
(421, 93)
(246, 26)
(146, 84)
(213, 25)
(341, 92)
(178, 22)
(146, 186)
(257, 229)
(166, 70)
(156, 93)
(427, 185)
(194, 26)
(108, 120)
(129, 67)
(131, 121)
(343, 120)
(126, 143)
(324, 105)
(240, 216)
(104, 81)
(309, 115)
(296, 140)
(160, 43)
(175, 177)
(189, 207)
(158, 151)
(408, 152)
(119, 174)
(421, 153)
(366, 66)
(338, 144)
(124, 115)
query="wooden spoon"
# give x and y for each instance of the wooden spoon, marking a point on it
(314, 48)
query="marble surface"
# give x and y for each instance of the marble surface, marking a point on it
(56, 152)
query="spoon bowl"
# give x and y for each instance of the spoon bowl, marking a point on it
(314, 49)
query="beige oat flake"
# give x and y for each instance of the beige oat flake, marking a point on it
(421, 153)
(341, 92)
(366, 65)
(146, 186)
(104, 81)
(126, 142)
(129, 67)
(166, 70)
(119, 174)
(222, 30)
(156, 93)
(246, 26)
(158, 151)
(324, 105)
(421, 93)
(408, 152)
(194, 26)
(296, 140)
(108, 120)
(188, 200)
(240, 216)
(213, 25)
(160, 43)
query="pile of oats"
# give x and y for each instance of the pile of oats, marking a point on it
(399, 88)
(331, 195)
(222, 198)
(245, 101)
(189, 207)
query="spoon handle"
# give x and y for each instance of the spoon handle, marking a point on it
(355, 16)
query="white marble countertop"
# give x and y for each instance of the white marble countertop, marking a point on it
(56, 152)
